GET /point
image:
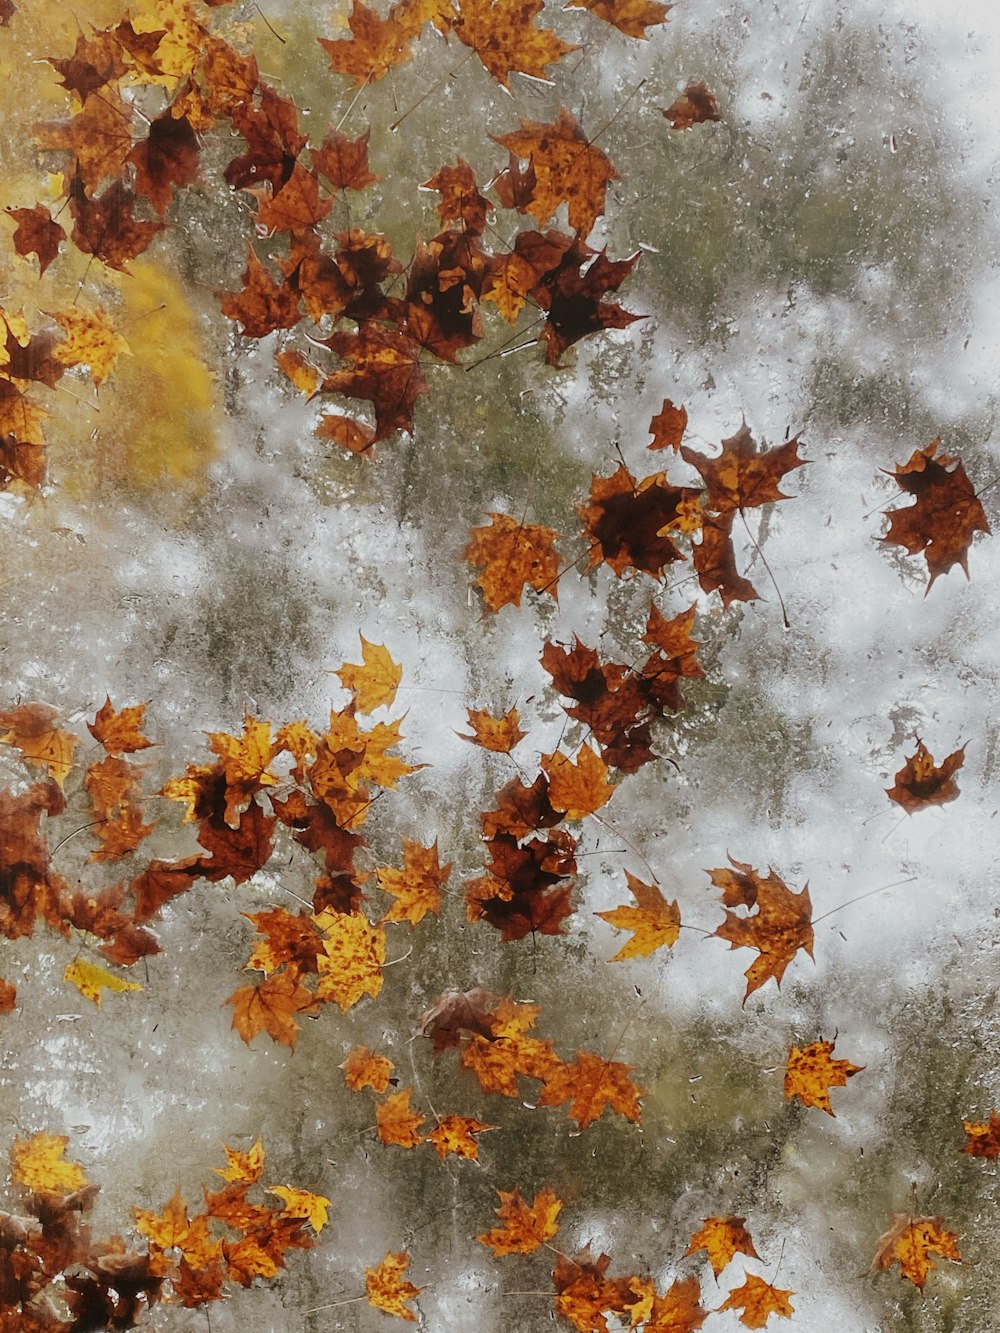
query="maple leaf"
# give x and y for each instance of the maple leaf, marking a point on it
(721, 1238)
(161, 881)
(742, 477)
(271, 129)
(271, 1006)
(668, 426)
(90, 980)
(577, 788)
(385, 369)
(119, 730)
(8, 996)
(590, 1084)
(758, 1300)
(263, 305)
(455, 1134)
(397, 1122)
(37, 1164)
(460, 198)
(290, 941)
(504, 37)
(417, 887)
(374, 683)
(810, 1073)
(295, 206)
(314, 1208)
(454, 1012)
(27, 887)
(351, 965)
(167, 159)
(584, 1293)
(498, 734)
(242, 1167)
(99, 136)
(521, 895)
(568, 169)
(572, 295)
(945, 516)
(632, 17)
(376, 45)
(524, 1227)
(695, 105)
(104, 226)
(34, 730)
(715, 561)
(344, 161)
(678, 1310)
(513, 554)
(779, 925)
(920, 783)
(910, 1242)
(627, 521)
(388, 1290)
(982, 1137)
(37, 234)
(365, 1069)
(90, 340)
(655, 921)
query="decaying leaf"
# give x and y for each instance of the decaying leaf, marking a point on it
(945, 516)
(921, 783)
(694, 106)
(982, 1138)
(513, 555)
(910, 1242)
(91, 980)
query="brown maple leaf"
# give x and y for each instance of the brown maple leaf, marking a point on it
(982, 1137)
(758, 1300)
(810, 1073)
(270, 126)
(945, 516)
(295, 206)
(289, 940)
(118, 730)
(921, 783)
(694, 106)
(384, 367)
(627, 521)
(715, 561)
(376, 44)
(99, 136)
(344, 161)
(778, 926)
(167, 159)
(678, 1310)
(632, 17)
(568, 169)
(590, 1084)
(461, 201)
(524, 1227)
(8, 996)
(504, 37)
(513, 554)
(572, 294)
(455, 1012)
(910, 1242)
(655, 922)
(105, 226)
(499, 734)
(742, 477)
(585, 1294)
(721, 1238)
(668, 426)
(37, 234)
(263, 305)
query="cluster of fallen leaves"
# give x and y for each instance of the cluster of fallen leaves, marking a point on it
(151, 101)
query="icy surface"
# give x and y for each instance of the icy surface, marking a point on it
(821, 262)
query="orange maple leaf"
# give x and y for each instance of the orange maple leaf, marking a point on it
(271, 1006)
(568, 168)
(695, 105)
(577, 788)
(945, 515)
(742, 477)
(721, 1238)
(810, 1073)
(290, 940)
(513, 554)
(417, 887)
(119, 730)
(387, 1288)
(376, 45)
(374, 682)
(982, 1137)
(585, 1294)
(499, 734)
(455, 1134)
(397, 1122)
(351, 964)
(35, 731)
(668, 426)
(678, 1310)
(758, 1300)
(590, 1084)
(655, 921)
(632, 17)
(910, 1242)
(524, 1227)
(779, 924)
(365, 1069)
(920, 783)
(504, 37)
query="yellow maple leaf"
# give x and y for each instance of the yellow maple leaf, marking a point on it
(90, 980)
(302, 1203)
(242, 1166)
(524, 1227)
(180, 48)
(578, 788)
(655, 921)
(387, 1290)
(417, 887)
(91, 340)
(811, 1073)
(454, 1134)
(37, 1164)
(374, 682)
(351, 965)
(245, 757)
